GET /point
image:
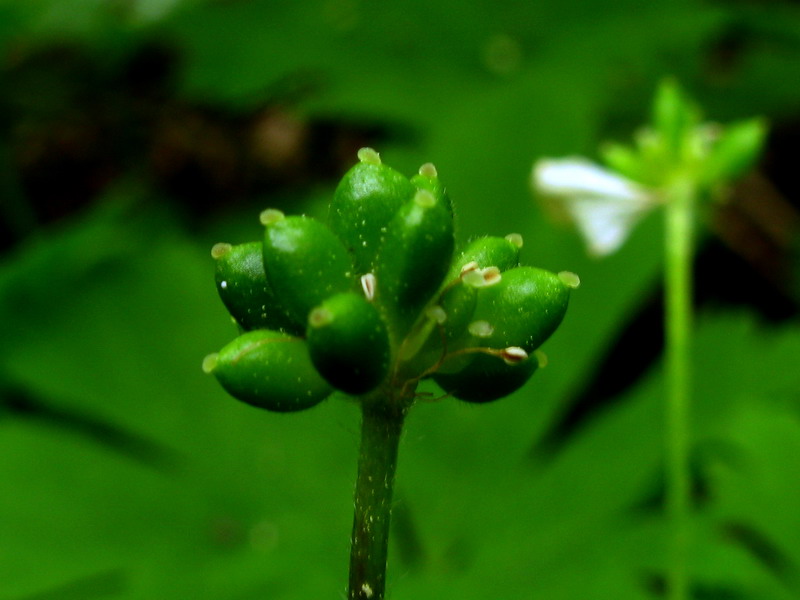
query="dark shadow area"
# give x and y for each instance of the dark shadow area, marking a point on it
(16, 403)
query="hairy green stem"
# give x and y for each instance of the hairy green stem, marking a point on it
(381, 425)
(678, 319)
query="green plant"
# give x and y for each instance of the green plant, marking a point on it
(370, 305)
(677, 161)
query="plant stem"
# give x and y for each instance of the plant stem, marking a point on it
(678, 319)
(382, 422)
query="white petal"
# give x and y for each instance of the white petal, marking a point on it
(576, 175)
(605, 223)
(604, 205)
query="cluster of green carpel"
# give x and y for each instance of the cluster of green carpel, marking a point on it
(376, 300)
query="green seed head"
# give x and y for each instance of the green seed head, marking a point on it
(376, 300)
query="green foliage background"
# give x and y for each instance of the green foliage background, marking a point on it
(126, 473)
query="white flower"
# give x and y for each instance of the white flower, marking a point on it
(603, 205)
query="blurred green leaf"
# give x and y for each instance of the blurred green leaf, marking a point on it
(104, 320)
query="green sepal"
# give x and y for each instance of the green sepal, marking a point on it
(348, 343)
(305, 263)
(413, 259)
(734, 152)
(674, 117)
(270, 370)
(624, 160)
(487, 378)
(242, 285)
(366, 199)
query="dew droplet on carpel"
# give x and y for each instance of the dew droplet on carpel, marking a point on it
(320, 317)
(436, 313)
(210, 362)
(270, 216)
(428, 170)
(424, 199)
(368, 155)
(570, 279)
(481, 329)
(220, 250)
(515, 239)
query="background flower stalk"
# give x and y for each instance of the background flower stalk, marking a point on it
(679, 162)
